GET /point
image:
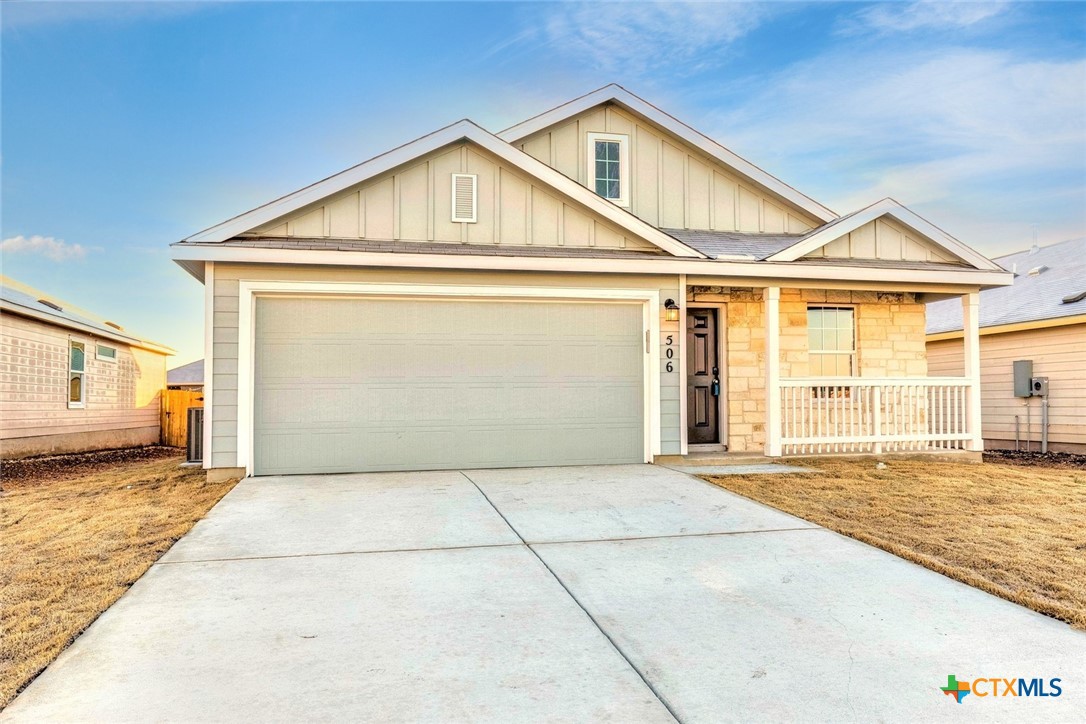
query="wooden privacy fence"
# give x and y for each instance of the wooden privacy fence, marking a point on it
(175, 405)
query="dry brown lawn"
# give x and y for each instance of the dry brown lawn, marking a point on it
(1016, 532)
(74, 539)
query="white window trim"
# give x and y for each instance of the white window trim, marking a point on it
(474, 198)
(623, 142)
(248, 291)
(110, 360)
(82, 404)
(854, 354)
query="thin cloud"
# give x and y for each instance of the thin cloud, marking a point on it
(636, 38)
(987, 133)
(57, 250)
(924, 15)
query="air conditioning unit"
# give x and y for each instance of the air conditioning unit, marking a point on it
(194, 443)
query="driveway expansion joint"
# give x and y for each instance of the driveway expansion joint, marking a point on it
(338, 553)
(614, 644)
(674, 535)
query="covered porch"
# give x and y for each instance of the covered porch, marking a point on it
(797, 371)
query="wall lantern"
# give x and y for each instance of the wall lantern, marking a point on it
(671, 312)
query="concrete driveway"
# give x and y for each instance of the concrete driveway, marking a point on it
(624, 593)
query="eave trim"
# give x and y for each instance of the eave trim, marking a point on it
(753, 271)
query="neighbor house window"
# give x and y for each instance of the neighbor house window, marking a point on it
(109, 354)
(831, 339)
(77, 373)
(608, 169)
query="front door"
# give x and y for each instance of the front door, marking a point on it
(702, 377)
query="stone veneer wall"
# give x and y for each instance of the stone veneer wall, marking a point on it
(890, 343)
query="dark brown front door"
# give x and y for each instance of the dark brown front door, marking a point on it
(702, 377)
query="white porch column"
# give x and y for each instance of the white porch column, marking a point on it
(971, 339)
(771, 297)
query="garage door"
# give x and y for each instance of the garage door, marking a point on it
(353, 385)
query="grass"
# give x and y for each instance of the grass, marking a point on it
(1016, 532)
(73, 543)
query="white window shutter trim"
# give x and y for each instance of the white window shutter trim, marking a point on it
(464, 197)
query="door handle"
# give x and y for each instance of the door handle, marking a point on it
(715, 388)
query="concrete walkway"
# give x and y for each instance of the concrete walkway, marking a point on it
(622, 593)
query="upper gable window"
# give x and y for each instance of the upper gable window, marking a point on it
(608, 166)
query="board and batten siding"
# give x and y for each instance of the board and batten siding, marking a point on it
(1058, 353)
(224, 432)
(414, 203)
(882, 239)
(672, 184)
(123, 398)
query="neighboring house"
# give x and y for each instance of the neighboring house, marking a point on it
(1041, 318)
(72, 381)
(598, 284)
(186, 377)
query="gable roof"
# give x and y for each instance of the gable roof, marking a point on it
(26, 301)
(191, 374)
(460, 131)
(817, 238)
(614, 93)
(1032, 297)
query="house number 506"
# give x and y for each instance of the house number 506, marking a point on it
(669, 352)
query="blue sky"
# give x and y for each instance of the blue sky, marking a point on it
(127, 126)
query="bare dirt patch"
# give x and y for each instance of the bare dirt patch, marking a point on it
(1070, 461)
(76, 532)
(45, 468)
(1017, 532)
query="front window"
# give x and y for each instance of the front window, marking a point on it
(608, 168)
(77, 374)
(831, 338)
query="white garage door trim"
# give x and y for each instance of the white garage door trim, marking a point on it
(248, 291)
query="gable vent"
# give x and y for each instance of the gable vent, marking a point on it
(464, 204)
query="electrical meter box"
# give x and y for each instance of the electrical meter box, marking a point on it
(1039, 385)
(1023, 378)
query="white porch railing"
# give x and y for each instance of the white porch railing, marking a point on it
(858, 415)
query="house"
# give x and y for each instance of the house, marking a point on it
(1040, 318)
(72, 381)
(597, 284)
(186, 377)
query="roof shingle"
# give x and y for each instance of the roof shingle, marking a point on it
(1032, 297)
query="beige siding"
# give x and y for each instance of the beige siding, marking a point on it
(1058, 353)
(673, 185)
(121, 395)
(882, 239)
(225, 359)
(413, 203)
(889, 343)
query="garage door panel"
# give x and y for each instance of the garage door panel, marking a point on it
(282, 407)
(360, 384)
(307, 357)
